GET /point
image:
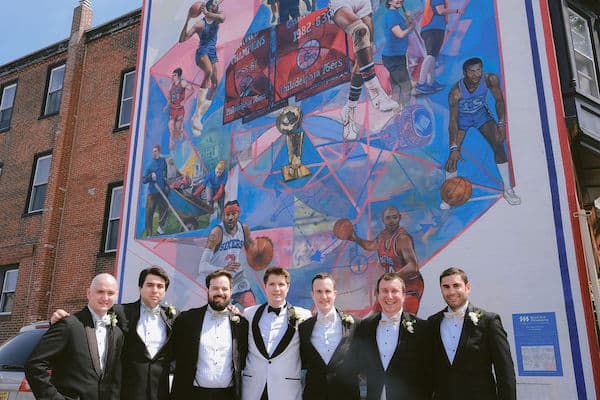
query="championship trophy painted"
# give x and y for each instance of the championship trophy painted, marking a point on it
(289, 123)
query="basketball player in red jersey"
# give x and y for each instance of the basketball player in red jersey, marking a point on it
(396, 252)
(179, 92)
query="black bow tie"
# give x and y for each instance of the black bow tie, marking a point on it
(275, 310)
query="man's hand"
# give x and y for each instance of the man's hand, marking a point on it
(153, 176)
(453, 159)
(58, 315)
(232, 266)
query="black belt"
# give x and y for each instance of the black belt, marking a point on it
(215, 393)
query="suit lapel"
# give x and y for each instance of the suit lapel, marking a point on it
(90, 333)
(310, 326)
(401, 330)
(372, 336)
(341, 347)
(110, 347)
(195, 334)
(467, 330)
(289, 334)
(234, 344)
(258, 340)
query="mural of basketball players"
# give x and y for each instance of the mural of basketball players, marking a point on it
(396, 251)
(179, 91)
(225, 249)
(214, 182)
(433, 32)
(355, 18)
(468, 105)
(397, 26)
(207, 30)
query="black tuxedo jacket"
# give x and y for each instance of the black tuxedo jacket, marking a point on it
(186, 340)
(405, 376)
(339, 378)
(69, 348)
(480, 347)
(144, 377)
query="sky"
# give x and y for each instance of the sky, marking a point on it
(50, 22)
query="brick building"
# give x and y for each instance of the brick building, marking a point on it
(64, 126)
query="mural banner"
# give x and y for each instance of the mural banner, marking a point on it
(356, 137)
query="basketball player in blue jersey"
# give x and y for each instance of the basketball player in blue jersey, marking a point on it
(225, 250)
(207, 30)
(355, 17)
(469, 109)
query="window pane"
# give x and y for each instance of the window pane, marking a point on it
(6, 302)
(53, 102)
(115, 203)
(125, 116)
(10, 280)
(42, 170)
(56, 79)
(5, 118)
(128, 85)
(111, 235)
(38, 195)
(587, 81)
(8, 97)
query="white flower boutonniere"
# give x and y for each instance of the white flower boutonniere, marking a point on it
(171, 311)
(347, 319)
(234, 318)
(408, 324)
(475, 316)
(113, 319)
(293, 318)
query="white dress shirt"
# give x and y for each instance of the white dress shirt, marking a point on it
(273, 327)
(387, 340)
(151, 329)
(327, 334)
(100, 330)
(450, 330)
(215, 351)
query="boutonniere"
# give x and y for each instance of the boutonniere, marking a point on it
(475, 316)
(408, 324)
(171, 311)
(293, 318)
(234, 318)
(347, 319)
(113, 319)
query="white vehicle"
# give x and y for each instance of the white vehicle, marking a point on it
(13, 355)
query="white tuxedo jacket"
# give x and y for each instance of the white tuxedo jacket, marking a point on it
(280, 371)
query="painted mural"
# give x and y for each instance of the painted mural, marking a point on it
(357, 138)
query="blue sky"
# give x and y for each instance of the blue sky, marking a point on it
(48, 23)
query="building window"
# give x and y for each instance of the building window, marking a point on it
(9, 285)
(583, 54)
(126, 99)
(113, 215)
(54, 92)
(6, 105)
(39, 183)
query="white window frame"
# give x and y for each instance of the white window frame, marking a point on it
(124, 119)
(6, 290)
(4, 106)
(582, 54)
(52, 90)
(114, 215)
(38, 182)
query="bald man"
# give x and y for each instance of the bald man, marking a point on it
(83, 351)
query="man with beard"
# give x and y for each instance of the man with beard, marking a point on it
(210, 346)
(225, 249)
(396, 252)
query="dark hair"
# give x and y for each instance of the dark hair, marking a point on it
(153, 270)
(156, 146)
(455, 271)
(232, 203)
(178, 71)
(390, 276)
(276, 271)
(322, 275)
(470, 62)
(218, 273)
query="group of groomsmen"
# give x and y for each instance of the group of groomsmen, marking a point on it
(109, 351)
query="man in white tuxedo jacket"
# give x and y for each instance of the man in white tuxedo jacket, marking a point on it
(273, 362)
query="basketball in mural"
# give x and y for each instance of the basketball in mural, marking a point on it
(456, 191)
(195, 9)
(260, 253)
(342, 229)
